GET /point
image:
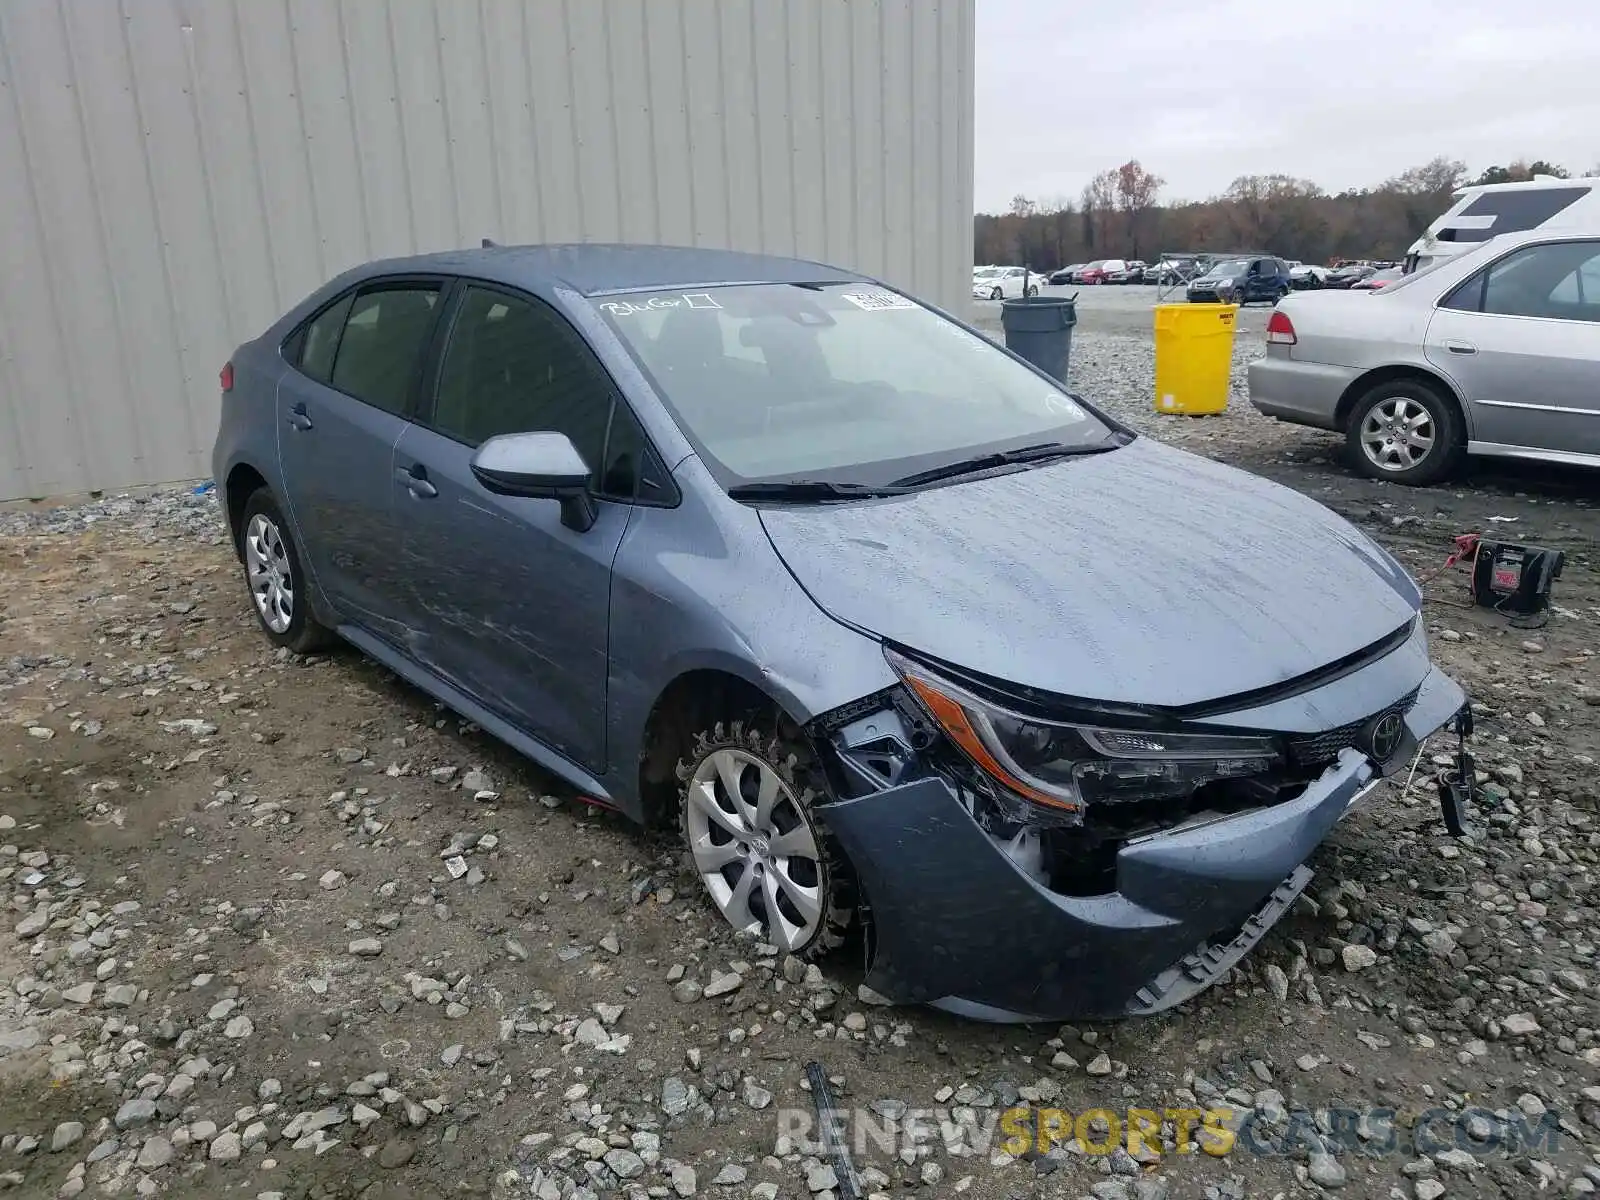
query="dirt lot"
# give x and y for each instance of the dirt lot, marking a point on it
(285, 928)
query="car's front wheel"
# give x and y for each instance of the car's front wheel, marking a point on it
(995, 293)
(1405, 431)
(273, 573)
(766, 858)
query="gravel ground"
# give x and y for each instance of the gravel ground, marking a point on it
(282, 927)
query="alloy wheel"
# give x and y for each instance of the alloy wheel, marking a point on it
(755, 848)
(266, 563)
(1397, 433)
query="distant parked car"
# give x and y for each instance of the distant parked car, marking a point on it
(1091, 273)
(1004, 283)
(1240, 281)
(1378, 279)
(1068, 274)
(1347, 277)
(1495, 351)
(1305, 276)
(1132, 272)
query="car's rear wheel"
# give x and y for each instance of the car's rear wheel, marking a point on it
(767, 860)
(1033, 291)
(273, 573)
(1405, 431)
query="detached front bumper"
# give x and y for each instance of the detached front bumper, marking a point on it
(958, 926)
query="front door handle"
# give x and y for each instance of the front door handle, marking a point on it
(415, 479)
(298, 417)
(1456, 347)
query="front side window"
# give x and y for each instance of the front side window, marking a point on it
(848, 382)
(1560, 281)
(382, 343)
(512, 366)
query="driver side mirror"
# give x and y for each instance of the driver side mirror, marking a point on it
(540, 466)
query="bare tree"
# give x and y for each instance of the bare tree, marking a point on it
(1440, 176)
(1273, 213)
(1099, 206)
(1137, 190)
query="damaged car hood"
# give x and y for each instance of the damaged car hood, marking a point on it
(1143, 576)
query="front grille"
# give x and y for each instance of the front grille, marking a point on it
(1320, 749)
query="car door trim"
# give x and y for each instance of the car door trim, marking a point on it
(1570, 458)
(1549, 408)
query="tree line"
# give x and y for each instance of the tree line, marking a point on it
(1120, 215)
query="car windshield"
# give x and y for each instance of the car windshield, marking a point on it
(838, 382)
(1234, 266)
(985, 272)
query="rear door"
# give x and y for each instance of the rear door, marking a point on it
(1521, 338)
(340, 413)
(508, 603)
(1259, 282)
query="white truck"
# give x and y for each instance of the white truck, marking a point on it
(1484, 210)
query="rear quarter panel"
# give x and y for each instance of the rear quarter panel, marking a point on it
(1362, 330)
(247, 431)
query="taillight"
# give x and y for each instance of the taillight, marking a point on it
(1280, 330)
(225, 376)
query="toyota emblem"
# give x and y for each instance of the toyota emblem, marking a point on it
(1388, 731)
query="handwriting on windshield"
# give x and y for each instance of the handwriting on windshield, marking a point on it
(632, 308)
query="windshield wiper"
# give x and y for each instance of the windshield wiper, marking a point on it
(1006, 458)
(811, 489)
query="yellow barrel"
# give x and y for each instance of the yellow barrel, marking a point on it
(1194, 357)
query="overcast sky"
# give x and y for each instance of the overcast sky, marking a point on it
(1345, 93)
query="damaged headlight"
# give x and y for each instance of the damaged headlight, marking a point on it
(1074, 765)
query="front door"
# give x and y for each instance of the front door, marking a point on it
(1521, 340)
(340, 413)
(508, 603)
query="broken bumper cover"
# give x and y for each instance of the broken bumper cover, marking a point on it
(958, 926)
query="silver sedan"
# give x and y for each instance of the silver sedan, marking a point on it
(1495, 351)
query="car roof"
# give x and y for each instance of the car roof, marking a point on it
(598, 268)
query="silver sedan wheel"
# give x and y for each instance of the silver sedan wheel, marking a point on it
(266, 563)
(1397, 434)
(755, 848)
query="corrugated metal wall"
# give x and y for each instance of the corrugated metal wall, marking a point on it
(176, 173)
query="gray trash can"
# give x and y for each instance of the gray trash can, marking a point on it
(1039, 328)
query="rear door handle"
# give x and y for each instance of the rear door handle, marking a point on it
(415, 479)
(298, 417)
(1456, 347)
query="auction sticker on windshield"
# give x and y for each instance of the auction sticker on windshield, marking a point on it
(877, 300)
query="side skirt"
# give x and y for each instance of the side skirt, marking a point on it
(417, 676)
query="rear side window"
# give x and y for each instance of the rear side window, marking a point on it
(382, 343)
(514, 367)
(320, 340)
(1555, 281)
(1558, 281)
